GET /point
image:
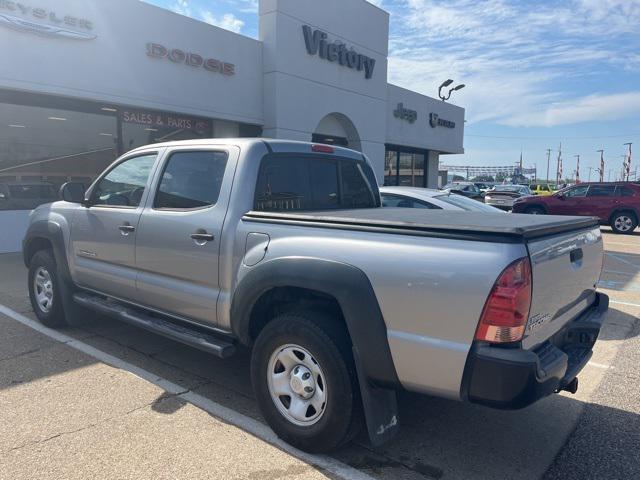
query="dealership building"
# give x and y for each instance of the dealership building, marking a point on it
(81, 83)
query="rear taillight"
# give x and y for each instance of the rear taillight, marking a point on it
(506, 312)
(322, 148)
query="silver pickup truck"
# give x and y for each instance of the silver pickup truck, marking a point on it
(283, 247)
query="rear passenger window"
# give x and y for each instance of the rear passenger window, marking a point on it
(601, 191)
(293, 183)
(191, 180)
(624, 192)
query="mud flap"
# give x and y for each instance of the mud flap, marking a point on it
(380, 408)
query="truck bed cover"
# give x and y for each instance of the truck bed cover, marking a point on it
(498, 227)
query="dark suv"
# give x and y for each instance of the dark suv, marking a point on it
(616, 204)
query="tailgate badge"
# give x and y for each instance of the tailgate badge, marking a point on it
(537, 320)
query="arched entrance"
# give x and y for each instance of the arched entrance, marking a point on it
(337, 129)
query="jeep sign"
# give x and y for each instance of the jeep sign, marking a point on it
(405, 113)
(317, 44)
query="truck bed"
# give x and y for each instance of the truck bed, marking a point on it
(410, 221)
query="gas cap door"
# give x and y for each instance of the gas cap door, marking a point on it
(256, 248)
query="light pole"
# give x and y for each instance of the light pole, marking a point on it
(446, 83)
(577, 169)
(591, 168)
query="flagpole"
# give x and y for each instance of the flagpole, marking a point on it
(627, 164)
(601, 169)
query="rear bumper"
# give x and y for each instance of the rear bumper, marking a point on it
(504, 204)
(512, 378)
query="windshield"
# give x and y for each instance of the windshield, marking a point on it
(467, 203)
(449, 186)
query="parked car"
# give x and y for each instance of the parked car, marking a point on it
(541, 189)
(468, 189)
(484, 187)
(503, 196)
(415, 197)
(27, 195)
(282, 247)
(615, 204)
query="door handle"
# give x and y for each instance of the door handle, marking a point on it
(126, 229)
(202, 237)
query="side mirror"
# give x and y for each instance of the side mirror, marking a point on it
(560, 196)
(72, 192)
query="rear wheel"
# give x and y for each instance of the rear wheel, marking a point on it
(624, 222)
(44, 290)
(535, 211)
(304, 379)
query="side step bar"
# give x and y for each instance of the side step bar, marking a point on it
(194, 338)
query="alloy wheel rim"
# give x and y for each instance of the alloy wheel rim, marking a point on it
(43, 289)
(623, 223)
(297, 385)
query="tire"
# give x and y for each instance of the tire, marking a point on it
(624, 222)
(535, 211)
(304, 340)
(44, 290)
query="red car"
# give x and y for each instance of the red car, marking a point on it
(616, 204)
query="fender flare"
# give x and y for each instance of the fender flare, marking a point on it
(622, 208)
(347, 284)
(51, 231)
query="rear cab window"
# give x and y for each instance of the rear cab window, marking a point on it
(301, 182)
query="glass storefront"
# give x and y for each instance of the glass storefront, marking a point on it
(405, 167)
(46, 141)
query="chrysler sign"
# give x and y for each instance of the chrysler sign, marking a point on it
(24, 17)
(317, 43)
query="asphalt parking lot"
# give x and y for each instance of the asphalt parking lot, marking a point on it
(111, 401)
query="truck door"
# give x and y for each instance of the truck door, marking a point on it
(103, 234)
(178, 242)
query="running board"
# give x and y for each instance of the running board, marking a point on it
(194, 338)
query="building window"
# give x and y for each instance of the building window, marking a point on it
(405, 166)
(42, 147)
(46, 141)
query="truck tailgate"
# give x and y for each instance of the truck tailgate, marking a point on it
(565, 269)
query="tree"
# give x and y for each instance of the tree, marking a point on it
(500, 177)
(458, 178)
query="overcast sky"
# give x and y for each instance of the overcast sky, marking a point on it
(537, 72)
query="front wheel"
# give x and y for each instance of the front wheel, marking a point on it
(304, 379)
(624, 223)
(44, 290)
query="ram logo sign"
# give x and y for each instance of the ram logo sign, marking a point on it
(436, 121)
